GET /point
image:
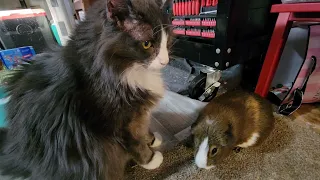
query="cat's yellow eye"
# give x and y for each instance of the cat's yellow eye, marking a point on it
(146, 44)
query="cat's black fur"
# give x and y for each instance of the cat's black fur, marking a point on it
(68, 114)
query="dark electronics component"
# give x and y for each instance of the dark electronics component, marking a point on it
(222, 33)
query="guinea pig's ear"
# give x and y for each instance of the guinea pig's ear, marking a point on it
(193, 127)
(118, 10)
(193, 130)
(195, 124)
(228, 138)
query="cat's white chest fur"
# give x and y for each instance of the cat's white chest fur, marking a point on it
(140, 77)
(149, 78)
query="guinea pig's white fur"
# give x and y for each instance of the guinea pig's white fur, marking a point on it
(251, 141)
(201, 156)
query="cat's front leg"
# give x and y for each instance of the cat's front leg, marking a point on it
(140, 142)
(154, 139)
(155, 161)
(144, 155)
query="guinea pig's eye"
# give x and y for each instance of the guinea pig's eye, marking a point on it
(146, 44)
(213, 151)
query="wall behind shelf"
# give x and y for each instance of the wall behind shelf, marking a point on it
(9, 4)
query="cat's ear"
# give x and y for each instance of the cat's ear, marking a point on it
(118, 10)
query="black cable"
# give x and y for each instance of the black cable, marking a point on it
(23, 4)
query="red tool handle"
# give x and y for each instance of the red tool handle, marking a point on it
(192, 7)
(186, 7)
(174, 8)
(214, 2)
(208, 3)
(203, 3)
(189, 7)
(182, 7)
(178, 8)
(197, 7)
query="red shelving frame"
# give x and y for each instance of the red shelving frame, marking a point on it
(300, 12)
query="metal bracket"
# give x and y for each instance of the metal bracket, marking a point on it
(212, 81)
(209, 90)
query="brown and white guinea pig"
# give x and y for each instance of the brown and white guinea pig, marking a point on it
(234, 119)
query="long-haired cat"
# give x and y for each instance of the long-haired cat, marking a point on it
(82, 112)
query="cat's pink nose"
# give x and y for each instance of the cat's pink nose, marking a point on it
(164, 61)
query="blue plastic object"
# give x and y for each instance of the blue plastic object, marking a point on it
(55, 33)
(3, 100)
(12, 57)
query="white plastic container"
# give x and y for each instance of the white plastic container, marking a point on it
(62, 12)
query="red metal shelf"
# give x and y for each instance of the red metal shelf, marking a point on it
(299, 12)
(298, 7)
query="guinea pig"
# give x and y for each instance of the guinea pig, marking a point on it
(234, 119)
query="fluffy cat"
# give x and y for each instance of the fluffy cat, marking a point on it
(82, 112)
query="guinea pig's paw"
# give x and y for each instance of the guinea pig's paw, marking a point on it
(157, 140)
(237, 149)
(155, 162)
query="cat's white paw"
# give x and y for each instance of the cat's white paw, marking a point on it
(155, 162)
(157, 141)
(209, 167)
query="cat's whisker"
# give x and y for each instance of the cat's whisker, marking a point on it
(158, 31)
(176, 40)
(156, 27)
(168, 25)
(162, 28)
(177, 50)
(162, 25)
(113, 54)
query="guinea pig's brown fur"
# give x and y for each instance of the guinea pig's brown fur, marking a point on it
(234, 119)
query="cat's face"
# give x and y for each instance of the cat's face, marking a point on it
(144, 37)
(135, 41)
